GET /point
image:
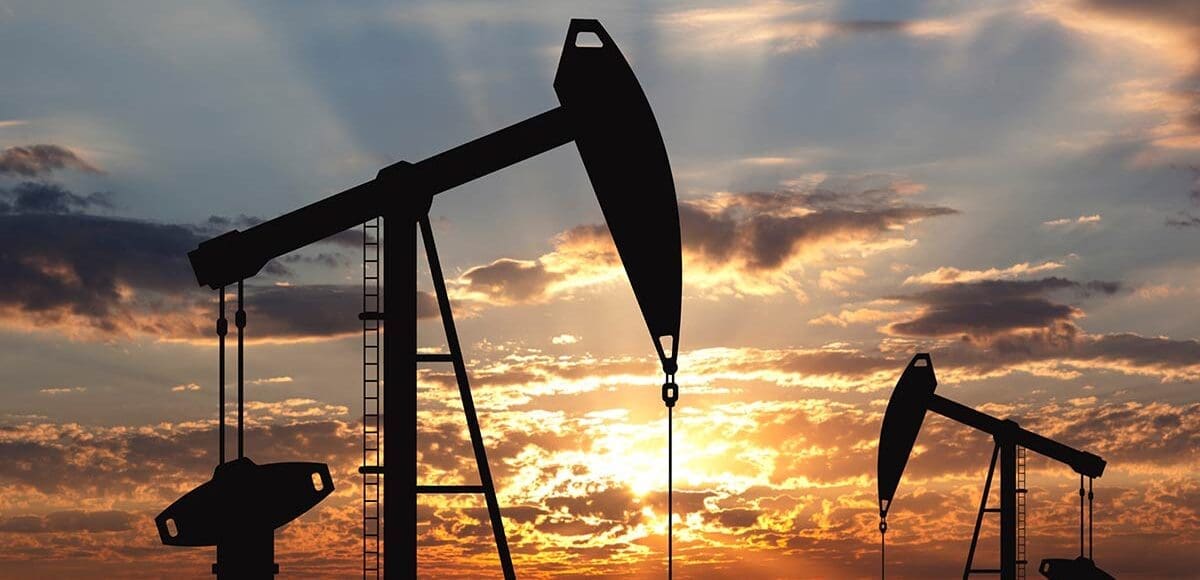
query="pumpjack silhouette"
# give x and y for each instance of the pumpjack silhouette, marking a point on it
(911, 399)
(605, 112)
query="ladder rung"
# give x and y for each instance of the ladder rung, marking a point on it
(435, 357)
(985, 570)
(991, 510)
(1022, 490)
(449, 489)
(370, 316)
(370, 469)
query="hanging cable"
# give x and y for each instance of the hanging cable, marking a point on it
(222, 330)
(882, 548)
(240, 321)
(1081, 515)
(1091, 541)
(670, 394)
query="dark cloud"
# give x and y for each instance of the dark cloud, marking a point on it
(35, 160)
(1066, 348)
(990, 307)
(217, 224)
(764, 230)
(736, 517)
(329, 260)
(351, 238)
(1002, 324)
(313, 310)
(111, 276)
(304, 311)
(1183, 220)
(55, 266)
(46, 198)
(752, 233)
(511, 281)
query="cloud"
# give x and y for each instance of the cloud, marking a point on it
(36, 160)
(947, 275)
(55, 391)
(847, 317)
(986, 308)
(565, 339)
(582, 491)
(1184, 220)
(991, 328)
(836, 279)
(269, 381)
(784, 27)
(99, 277)
(71, 521)
(185, 387)
(1064, 351)
(508, 281)
(44, 198)
(752, 243)
(1082, 220)
(1164, 32)
(767, 230)
(93, 274)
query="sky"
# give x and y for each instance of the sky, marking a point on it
(1013, 187)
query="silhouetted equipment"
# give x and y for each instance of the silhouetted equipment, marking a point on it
(239, 509)
(1072, 569)
(604, 111)
(912, 397)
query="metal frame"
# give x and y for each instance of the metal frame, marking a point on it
(401, 398)
(1011, 458)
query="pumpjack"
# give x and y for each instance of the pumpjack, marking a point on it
(605, 112)
(911, 399)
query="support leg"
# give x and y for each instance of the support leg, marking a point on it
(464, 391)
(987, 488)
(1008, 510)
(400, 396)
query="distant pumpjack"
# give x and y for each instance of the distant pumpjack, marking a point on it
(912, 397)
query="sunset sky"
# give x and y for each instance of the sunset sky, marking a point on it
(1013, 187)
